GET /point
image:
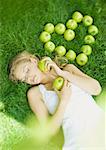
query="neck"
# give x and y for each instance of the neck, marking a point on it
(48, 77)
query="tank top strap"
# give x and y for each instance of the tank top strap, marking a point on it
(42, 89)
(50, 99)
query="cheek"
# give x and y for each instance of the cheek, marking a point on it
(37, 72)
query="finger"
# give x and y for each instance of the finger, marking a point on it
(49, 66)
(47, 58)
(46, 63)
(65, 84)
(69, 84)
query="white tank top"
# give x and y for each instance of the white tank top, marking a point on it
(81, 119)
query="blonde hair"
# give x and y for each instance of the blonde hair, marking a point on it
(21, 57)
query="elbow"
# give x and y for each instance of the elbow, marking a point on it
(97, 89)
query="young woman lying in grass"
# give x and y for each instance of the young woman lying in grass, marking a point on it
(73, 107)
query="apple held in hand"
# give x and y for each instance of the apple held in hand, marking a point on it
(60, 50)
(60, 28)
(89, 39)
(49, 27)
(69, 35)
(71, 55)
(58, 83)
(86, 49)
(87, 20)
(45, 37)
(41, 65)
(93, 30)
(71, 24)
(82, 59)
(77, 16)
(49, 46)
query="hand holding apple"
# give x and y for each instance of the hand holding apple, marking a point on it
(42, 64)
(64, 92)
(58, 83)
(46, 63)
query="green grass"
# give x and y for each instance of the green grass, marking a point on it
(20, 25)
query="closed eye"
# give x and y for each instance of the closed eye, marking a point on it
(25, 71)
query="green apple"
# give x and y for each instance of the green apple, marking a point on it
(45, 37)
(58, 83)
(71, 55)
(60, 50)
(69, 35)
(77, 16)
(89, 39)
(49, 46)
(49, 27)
(86, 49)
(41, 65)
(60, 28)
(71, 24)
(87, 20)
(82, 59)
(93, 30)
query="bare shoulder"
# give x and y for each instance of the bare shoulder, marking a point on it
(34, 91)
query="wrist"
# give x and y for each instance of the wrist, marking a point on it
(67, 75)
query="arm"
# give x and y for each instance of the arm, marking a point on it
(74, 75)
(36, 104)
(87, 83)
(73, 69)
(39, 109)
